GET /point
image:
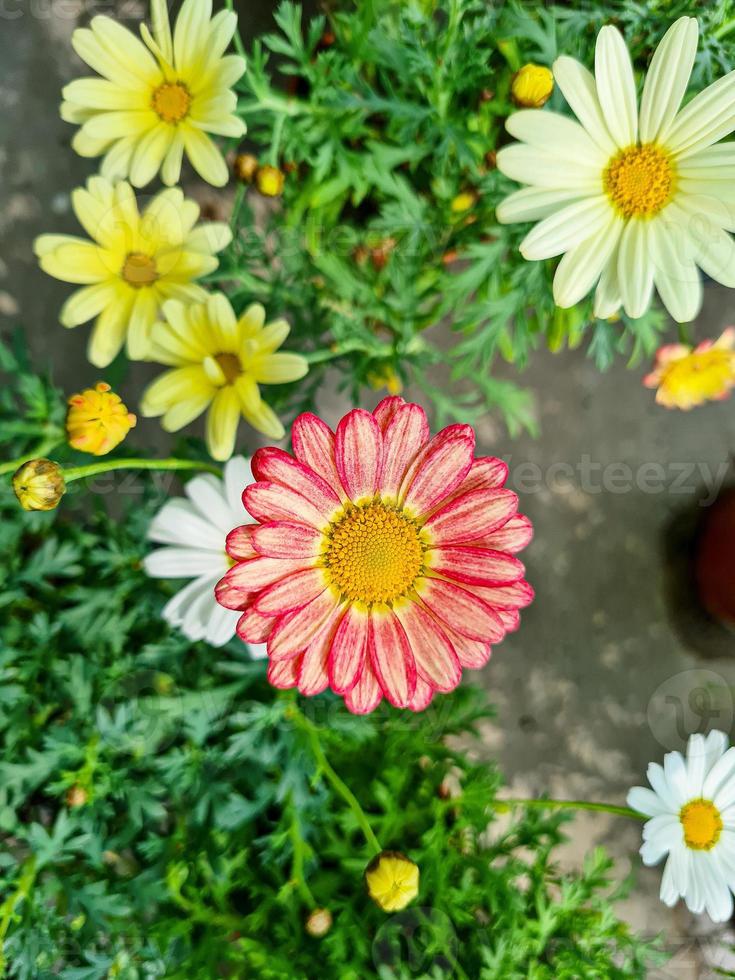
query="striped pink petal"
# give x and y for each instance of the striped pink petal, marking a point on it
(436, 661)
(293, 632)
(293, 592)
(239, 543)
(349, 649)
(438, 469)
(404, 436)
(472, 654)
(283, 673)
(313, 445)
(386, 409)
(511, 619)
(515, 596)
(461, 610)
(486, 473)
(273, 502)
(252, 627)
(512, 537)
(471, 516)
(285, 539)
(421, 696)
(358, 453)
(313, 677)
(366, 695)
(391, 656)
(273, 465)
(251, 576)
(475, 566)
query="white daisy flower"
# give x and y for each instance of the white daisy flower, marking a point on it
(692, 811)
(194, 531)
(630, 197)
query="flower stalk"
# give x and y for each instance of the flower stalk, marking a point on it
(551, 804)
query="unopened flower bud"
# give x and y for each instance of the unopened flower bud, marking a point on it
(392, 881)
(463, 201)
(532, 86)
(319, 923)
(245, 167)
(76, 796)
(39, 484)
(270, 181)
(97, 420)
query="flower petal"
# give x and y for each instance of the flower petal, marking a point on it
(252, 627)
(284, 539)
(295, 631)
(706, 119)
(403, 437)
(515, 596)
(616, 86)
(292, 592)
(358, 454)
(272, 465)
(386, 409)
(475, 566)
(391, 657)
(512, 537)
(635, 269)
(581, 267)
(436, 660)
(283, 673)
(349, 649)
(471, 516)
(313, 676)
(313, 445)
(252, 576)
(462, 611)
(667, 79)
(572, 225)
(438, 469)
(366, 695)
(273, 502)
(239, 543)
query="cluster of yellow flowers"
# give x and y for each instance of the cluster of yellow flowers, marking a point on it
(158, 99)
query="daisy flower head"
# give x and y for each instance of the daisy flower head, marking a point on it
(692, 824)
(97, 421)
(159, 98)
(382, 560)
(193, 531)
(687, 376)
(133, 263)
(631, 197)
(217, 362)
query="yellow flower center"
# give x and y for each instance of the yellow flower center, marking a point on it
(139, 270)
(230, 366)
(702, 824)
(374, 553)
(171, 102)
(706, 374)
(640, 180)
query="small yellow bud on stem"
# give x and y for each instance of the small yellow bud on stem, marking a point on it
(270, 181)
(392, 880)
(39, 484)
(319, 923)
(532, 86)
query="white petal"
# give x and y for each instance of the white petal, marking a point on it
(197, 617)
(677, 278)
(715, 252)
(695, 764)
(184, 562)
(207, 493)
(608, 299)
(719, 786)
(672, 792)
(528, 165)
(709, 207)
(567, 228)
(577, 85)
(581, 267)
(635, 268)
(647, 802)
(669, 892)
(556, 134)
(237, 475)
(705, 120)
(616, 86)
(258, 651)
(667, 78)
(716, 744)
(179, 523)
(533, 204)
(221, 626)
(176, 607)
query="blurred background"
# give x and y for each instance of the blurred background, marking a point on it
(615, 663)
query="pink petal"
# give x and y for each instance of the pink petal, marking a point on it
(284, 539)
(313, 676)
(471, 515)
(391, 657)
(512, 537)
(515, 596)
(438, 469)
(422, 696)
(252, 627)
(386, 409)
(405, 435)
(436, 661)
(313, 445)
(251, 576)
(461, 610)
(293, 592)
(486, 473)
(511, 619)
(366, 695)
(475, 566)
(294, 632)
(239, 544)
(348, 650)
(272, 502)
(282, 673)
(471, 653)
(358, 453)
(273, 465)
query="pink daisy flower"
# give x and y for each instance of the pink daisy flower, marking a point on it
(381, 563)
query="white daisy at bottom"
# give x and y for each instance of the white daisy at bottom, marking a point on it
(194, 530)
(692, 811)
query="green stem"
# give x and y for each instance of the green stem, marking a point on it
(239, 46)
(94, 469)
(546, 804)
(297, 865)
(338, 785)
(724, 29)
(7, 909)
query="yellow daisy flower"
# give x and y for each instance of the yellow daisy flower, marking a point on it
(134, 263)
(686, 377)
(392, 880)
(157, 100)
(217, 362)
(97, 421)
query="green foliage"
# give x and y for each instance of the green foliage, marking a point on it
(391, 110)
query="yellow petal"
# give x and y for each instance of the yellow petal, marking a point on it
(272, 336)
(80, 263)
(108, 334)
(209, 237)
(256, 412)
(87, 303)
(205, 157)
(222, 420)
(276, 369)
(175, 386)
(150, 153)
(142, 318)
(252, 320)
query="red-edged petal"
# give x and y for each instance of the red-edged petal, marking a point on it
(239, 543)
(252, 576)
(515, 596)
(366, 695)
(273, 465)
(349, 647)
(283, 673)
(268, 502)
(313, 675)
(422, 696)
(386, 409)
(461, 610)
(486, 473)
(313, 445)
(511, 619)
(475, 566)
(285, 539)
(405, 435)
(252, 627)
(472, 515)
(512, 537)
(471, 653)
(438, 469)
(294, 632)
(434, 654)
(358, 453)
(293, 592)
(391, 656)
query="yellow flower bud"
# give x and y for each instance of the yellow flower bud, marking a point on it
(385, 377)
(270, 181)
(319, 923)
(39, 484)
(97, 420)
(392, 881)
(463, 202)
(245, 167)
(532, 86)
(76, 796)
